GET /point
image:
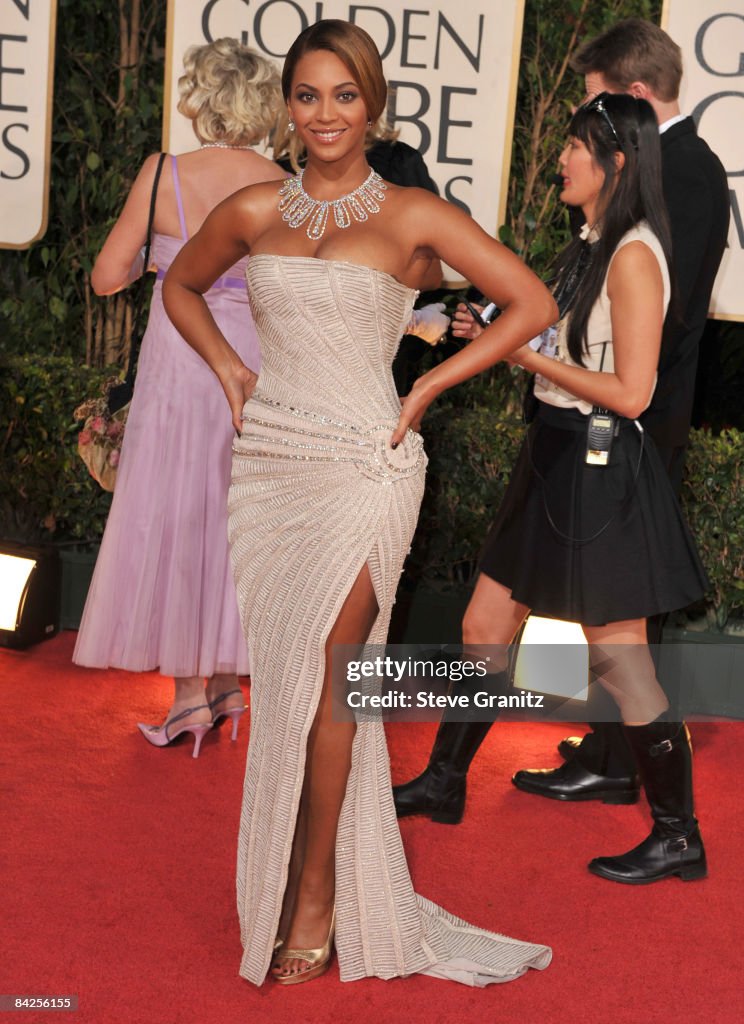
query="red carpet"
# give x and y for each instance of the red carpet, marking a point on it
(119, 885)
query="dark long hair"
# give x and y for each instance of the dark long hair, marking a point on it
(628, 196)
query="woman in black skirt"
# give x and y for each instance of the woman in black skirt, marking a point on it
(596, 537)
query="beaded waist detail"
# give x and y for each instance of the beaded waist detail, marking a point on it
(273, 430)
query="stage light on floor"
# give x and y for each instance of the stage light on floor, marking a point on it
(14, 573)
(29, 594)
(553, 658)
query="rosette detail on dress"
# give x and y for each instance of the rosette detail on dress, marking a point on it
(286, 432)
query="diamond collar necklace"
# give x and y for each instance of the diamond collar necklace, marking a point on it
(297, 207)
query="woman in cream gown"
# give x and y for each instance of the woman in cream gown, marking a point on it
(328, 474)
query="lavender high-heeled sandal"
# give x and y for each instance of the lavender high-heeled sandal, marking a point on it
(161, 736)
(234, 713)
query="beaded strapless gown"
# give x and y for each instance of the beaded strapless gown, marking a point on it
(316, 494)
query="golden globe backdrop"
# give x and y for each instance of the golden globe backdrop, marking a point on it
(26, 75)
(452, 67)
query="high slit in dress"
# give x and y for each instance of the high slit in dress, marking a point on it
(317, 494)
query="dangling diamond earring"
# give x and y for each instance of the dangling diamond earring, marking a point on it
(291, 125)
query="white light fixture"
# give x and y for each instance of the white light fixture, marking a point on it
(29, 594)
(14, 574)
(553, 658)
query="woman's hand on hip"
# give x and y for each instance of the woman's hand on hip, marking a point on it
(413, 407)
(238, 386)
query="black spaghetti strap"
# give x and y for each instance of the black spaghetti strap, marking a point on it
(134, 349)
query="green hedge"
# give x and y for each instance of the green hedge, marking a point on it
(713, 500)
(45, 490)
(471, 452)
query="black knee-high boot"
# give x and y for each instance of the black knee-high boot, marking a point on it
(439, 792)
(675, 847)
(599, 699)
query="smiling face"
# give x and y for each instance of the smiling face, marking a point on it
(327, 107)
(582, 177)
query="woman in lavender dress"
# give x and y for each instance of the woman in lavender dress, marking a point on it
(162, 596)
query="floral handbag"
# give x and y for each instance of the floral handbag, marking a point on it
(99, 441)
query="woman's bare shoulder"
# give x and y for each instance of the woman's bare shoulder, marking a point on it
(419, 214)
(635, 257)
(248, 212)
(413, 197)
(146, 174)
(267, 170)
(418, 205)
(255, 199)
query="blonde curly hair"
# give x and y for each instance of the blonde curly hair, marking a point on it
(229, 92)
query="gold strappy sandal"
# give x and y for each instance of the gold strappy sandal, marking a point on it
(318, 960)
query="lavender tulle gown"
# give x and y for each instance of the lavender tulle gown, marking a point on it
(162, 595)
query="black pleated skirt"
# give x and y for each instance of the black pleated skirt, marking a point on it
(591, 544)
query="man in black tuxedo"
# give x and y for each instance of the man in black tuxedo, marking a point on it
(636, 57)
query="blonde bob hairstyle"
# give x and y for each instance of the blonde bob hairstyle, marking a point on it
(229, 92)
